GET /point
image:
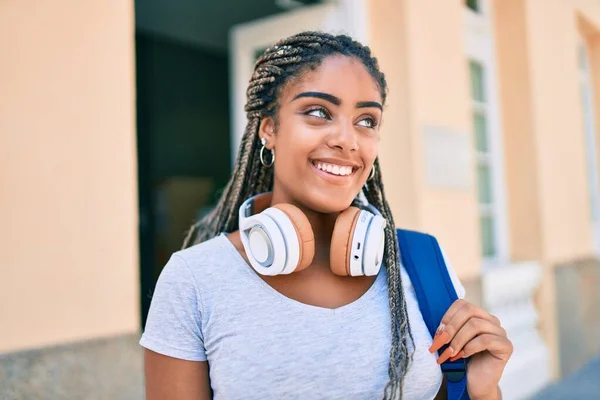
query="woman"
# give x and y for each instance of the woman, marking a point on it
(217, 328)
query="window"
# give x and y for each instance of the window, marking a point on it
(587, 101)
(485, 190)
(486, 130)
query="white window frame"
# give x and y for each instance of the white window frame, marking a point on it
(589, 124)
(479, 47)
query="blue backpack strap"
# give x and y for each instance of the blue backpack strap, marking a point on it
(423, 260)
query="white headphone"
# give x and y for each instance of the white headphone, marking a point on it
(280, 240)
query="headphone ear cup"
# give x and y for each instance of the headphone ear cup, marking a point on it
(374, 246)
(261, 236)
(341, 241)
(304, 234)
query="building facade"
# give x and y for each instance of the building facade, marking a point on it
(490, 142)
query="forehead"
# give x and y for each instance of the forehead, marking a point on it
(342, 76)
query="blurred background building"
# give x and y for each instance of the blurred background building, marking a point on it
(119, 124)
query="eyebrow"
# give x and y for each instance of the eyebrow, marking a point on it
(368, 104)
(320, 95)
(336, 100)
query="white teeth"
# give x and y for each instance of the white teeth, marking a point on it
(334, 169)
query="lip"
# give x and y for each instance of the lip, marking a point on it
(331, 178)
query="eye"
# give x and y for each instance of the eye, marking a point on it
(318, 112)
(368, 122)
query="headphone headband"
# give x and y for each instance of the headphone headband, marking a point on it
(253, 205)
(373, 210)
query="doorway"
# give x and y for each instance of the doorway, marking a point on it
(183, 144)
(191, 72)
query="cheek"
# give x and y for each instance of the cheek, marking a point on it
(370, 150)
(296, 142)
(290, 154)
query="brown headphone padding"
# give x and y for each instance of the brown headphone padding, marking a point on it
(341, 241)
(304, 232)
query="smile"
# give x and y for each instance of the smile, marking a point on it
(334, 169)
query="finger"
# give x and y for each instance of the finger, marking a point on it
(498, 346)
(451, 325)
(474, 327)
(441, 338)
(461, 354)
(495, 319)
(471, 329)
(465, 313)
(454, 308)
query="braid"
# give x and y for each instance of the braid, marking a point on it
(287, 59)
(224, 216)
(401, 332)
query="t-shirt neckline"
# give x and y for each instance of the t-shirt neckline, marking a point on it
(353, 306)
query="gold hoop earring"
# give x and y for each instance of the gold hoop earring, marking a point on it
(372, 175)
(262, 155)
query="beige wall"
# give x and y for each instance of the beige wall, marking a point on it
(443, 99)
(423, 55)
(543, 128)
(520, 153)
(544, 135)
(389, 42)
(426, 68)
(552, 35)
(68, 205)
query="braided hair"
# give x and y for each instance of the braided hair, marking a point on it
(289, 59)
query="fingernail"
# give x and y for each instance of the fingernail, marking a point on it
(439, 341)
(460, 354)
(439, 330)
(445, 355)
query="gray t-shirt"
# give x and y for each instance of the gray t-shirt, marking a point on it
(210, 305)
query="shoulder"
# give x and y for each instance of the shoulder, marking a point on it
(177, 314)
(205, 258)
(458, 286)
(214, 247)
(200, 266)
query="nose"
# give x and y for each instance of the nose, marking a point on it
(343, 137)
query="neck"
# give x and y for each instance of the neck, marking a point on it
(322, 225)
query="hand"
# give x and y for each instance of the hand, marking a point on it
(472, 332)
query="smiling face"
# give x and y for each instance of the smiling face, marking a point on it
(327, 135)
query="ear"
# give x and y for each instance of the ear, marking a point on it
(266, 130)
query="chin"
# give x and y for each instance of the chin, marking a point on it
(327, 202)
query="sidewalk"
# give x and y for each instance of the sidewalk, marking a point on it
(102, 369)
(583, 384)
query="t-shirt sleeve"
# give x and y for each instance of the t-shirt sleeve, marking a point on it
(174, 323)
(458, 286)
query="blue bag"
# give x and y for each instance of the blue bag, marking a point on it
(424, 263)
